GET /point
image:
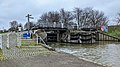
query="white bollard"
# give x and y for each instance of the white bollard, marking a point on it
(8, 42)
(61, 25)
(19, 39)
(37, 39)
(1, 41)
(54, 25)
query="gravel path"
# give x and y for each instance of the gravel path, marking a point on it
(49, 60)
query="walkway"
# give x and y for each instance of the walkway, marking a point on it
(36, 57)
(51, 60)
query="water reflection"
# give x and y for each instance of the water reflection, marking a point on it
(102, 52)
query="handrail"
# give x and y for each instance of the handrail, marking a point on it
(109, 35)
(43, 42)
(45, 45)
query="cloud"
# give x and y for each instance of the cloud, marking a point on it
(17, 9)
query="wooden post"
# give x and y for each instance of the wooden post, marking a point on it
(58, 35)
(91, 38)
(98, 36)
(68, 40)
(103, 37)
(28, 17)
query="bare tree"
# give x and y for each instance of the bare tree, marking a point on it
(97, 18)
(118, 19)
(53, 16)
(13, 26)
(44, 17)
(77, 15)
(88, 17)
(66, 17)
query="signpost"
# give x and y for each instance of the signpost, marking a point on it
(26, 35)
(29, 17)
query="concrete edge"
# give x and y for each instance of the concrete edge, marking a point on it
(86, 59)
(30, 46)
(96, 62)
(48, 47)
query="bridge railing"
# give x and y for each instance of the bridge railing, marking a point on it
(103, 36)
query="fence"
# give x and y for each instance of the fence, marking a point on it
(10, 39)
(13, 39)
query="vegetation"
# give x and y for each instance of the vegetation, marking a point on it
(29, 42)
(1, 55)
(86, 17)
(89, 17)
(80, 17)
(2, 32)
(14, 26)
(114, 30)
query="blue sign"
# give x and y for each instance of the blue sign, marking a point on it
(26, 35)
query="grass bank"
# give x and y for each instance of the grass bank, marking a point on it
(29, 42)
(1, 55)
(3, 32)
(114, 31)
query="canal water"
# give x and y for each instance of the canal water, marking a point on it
(105, 52)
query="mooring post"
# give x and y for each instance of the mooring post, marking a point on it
(58, 39)
(97, 36)
(68, 40)
(103, 37)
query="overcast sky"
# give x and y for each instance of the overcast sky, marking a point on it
(17, 9)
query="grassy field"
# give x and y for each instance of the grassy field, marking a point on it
(3, 32)
(114, 31)
(1, 55)
(29, 42)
